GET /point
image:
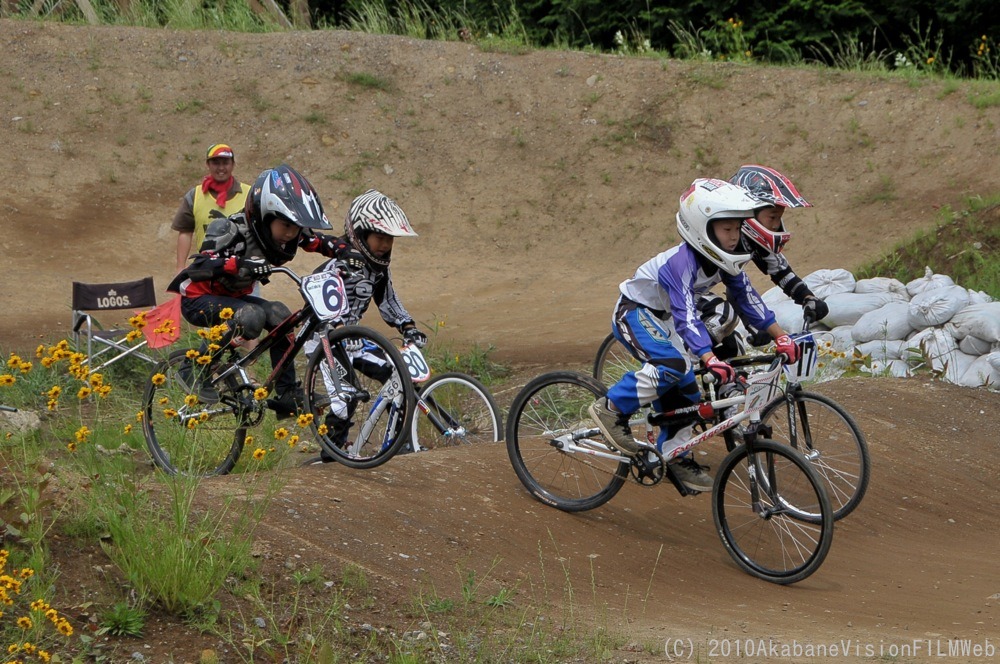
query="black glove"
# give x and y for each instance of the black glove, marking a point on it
(258, 268)
(759, 338)
(414, 336)
(814, 309)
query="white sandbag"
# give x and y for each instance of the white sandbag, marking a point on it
(837, 339)
(885, 350)
(929, 281)
(824, 283)
(978, 320)
(774, 296)
(890, 321)
(994, 359)
(881, 285)
(788, 315)
(979, 297)
(974, 345)
(894, 368)
(940, 350)
(982, 372)
(848, 308)
(937, 306)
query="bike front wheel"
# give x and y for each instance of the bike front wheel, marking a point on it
(555, 447)
(829, 438)
(184, 435)
(760, 532)
(613, 361)
(359, 393)
(457, 409)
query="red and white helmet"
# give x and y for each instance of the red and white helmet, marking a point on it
(706, 201)
(774, 190)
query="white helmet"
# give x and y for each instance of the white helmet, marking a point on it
(375, 212)
(708, 200)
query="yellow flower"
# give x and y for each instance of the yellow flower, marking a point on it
(259, 454)
(191, 354)
(191, 424)
(133, 335)
(26, 573)
(280, 434)
(24, 622)
(204, 359)
(930, 60)
(64, 628)
(128, 429)
(248, 441)
(39, 605)
(82, 434)
(71, 446)
(47, 362)
(54, 392)
(25, 367)
(44, 655)
(40, 351)
(158, 379)
(169, 413)
(214, 348)
(322, 429)
(203, 416)
(103, 391)
(305, 419)
(191, 400)
(14, 361)
(226, 313)
(83, 393)
(293, 440)
(139, 416)
(163, 401)
(260, 393)
(6, 379)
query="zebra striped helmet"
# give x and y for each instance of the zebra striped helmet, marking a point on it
(374, 212)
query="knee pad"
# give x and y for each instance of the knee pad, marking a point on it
(719, 316)
(249, 321)
(276, 312)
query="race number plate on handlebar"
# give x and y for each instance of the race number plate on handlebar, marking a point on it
(325, 292)
(415, 362)
(805, 368)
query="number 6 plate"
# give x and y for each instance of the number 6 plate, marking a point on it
(325, 292)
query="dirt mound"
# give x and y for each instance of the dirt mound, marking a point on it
(537, 183)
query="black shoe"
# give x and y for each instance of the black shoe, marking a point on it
(194, 380)
(288, 404)
(338, 430)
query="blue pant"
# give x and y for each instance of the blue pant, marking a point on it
(665, 380)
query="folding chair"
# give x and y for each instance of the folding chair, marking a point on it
(110, 343)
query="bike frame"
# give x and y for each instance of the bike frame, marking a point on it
(761, 388)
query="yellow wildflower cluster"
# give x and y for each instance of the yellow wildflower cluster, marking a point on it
(983, 49)
(12, 586)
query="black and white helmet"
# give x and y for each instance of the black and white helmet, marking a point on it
(375, 212)
(283, 193)
(708, 200)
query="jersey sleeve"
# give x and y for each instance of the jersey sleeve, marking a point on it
(748, 301)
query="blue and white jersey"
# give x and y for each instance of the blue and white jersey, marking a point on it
(672, 282)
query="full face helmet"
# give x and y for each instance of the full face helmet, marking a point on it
(374, 212)
(773, 189)
(708, 200)
(282, 193)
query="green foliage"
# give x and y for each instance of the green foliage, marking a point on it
(964, 245)
(123, 619)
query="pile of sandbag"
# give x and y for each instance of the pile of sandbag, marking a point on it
(930, 322)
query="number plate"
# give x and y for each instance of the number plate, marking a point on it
(325, 292)
(415, 362)
(804, 369)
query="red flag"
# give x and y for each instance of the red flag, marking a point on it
(163, 323)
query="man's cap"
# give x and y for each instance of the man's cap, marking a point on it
(220, 151)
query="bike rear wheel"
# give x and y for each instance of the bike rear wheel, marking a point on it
(829, 438)
(362, 401)
(613, 361)
(752, 517)
(183, 434)
(542, 418)
(460, 410)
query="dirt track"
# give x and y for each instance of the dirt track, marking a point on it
(916, 561)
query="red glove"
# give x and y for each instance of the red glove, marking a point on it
(784, 345)
(723, 372)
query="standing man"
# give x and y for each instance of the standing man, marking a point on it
(219, 195)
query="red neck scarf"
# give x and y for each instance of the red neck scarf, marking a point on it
(220, 189)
